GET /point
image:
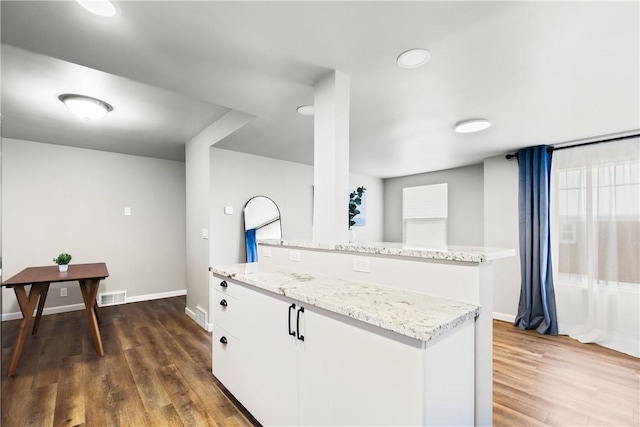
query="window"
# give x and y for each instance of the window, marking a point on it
(597, 208)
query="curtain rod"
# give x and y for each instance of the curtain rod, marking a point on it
(581, 144)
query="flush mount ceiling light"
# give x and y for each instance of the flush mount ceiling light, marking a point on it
(473, 125)
(305, 110)
(98, 7)
(84, 106)
(413, 58)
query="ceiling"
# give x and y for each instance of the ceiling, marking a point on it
(542, 72)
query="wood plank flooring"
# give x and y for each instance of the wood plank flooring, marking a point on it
(157, 372)
(556, 380)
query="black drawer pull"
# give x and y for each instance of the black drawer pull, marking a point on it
(223, 340)
(223, 303)
(291, 307)
(300, 336)
(223, 284)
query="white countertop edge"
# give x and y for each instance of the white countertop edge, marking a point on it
(450, 253)
(294, 288)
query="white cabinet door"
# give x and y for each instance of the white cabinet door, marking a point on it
(352, 373)
(229, 365)
(272, 359)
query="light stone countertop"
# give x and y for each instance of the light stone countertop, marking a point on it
(412, 314)
(448, 253)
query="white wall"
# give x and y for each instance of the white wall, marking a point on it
(465, 195)
(236, 177)
(501, 230)
(197, 204)
(64, 199)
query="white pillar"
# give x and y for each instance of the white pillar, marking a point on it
(331, 158)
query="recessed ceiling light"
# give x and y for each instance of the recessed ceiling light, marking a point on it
(305, 110)
(473, 125)
(99, 7)
(413, 58)
(84, 106)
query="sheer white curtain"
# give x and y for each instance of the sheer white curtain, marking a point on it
(596, 243)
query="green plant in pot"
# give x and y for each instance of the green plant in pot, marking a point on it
(63, 261)
(355, 200)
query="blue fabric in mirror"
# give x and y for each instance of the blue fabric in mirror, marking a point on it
(252, 245)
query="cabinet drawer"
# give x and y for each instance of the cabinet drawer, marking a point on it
(228, 363)
(228, 313)
(228, 287)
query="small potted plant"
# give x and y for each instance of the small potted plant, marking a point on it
(63, 261)
(355, 200)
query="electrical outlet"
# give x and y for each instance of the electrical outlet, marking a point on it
(63, 292)
(294, 255)
(266, 251)
(361, 264)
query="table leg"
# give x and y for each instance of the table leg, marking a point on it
(89, 290)
(95, 310)
(43, 298)
(27, 306)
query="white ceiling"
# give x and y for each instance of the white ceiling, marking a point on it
(542, 72)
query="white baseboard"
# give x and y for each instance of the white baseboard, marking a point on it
(46, 311)
(504, 317)
(159, 295)
(190, 313)
(76, 307)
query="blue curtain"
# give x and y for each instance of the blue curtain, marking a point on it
(252, 245)
(537, 307)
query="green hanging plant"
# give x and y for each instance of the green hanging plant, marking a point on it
(355, 200)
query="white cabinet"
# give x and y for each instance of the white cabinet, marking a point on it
(295, 364)
(273, 361)
(352, 373)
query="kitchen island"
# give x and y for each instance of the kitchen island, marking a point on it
(303, 348)
(455, 272)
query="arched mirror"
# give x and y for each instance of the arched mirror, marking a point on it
(261, 221)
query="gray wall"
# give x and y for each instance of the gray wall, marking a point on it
(466, 209)
(64, 199)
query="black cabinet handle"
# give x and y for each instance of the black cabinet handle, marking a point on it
(291, 307)
(223, 340)
(223, 284)
(300, 336)
(223, 303)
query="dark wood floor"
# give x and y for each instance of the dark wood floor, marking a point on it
(157, 372)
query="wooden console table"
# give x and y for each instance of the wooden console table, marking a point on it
(88, 276)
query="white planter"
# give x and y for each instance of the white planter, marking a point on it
(352, 235)
(63, 267)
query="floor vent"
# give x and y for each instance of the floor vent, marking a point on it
(201, 317)
(112, 298)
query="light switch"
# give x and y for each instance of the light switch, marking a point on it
(228, 210)
(127, 211)
(205, 233)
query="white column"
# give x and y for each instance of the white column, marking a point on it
(331, 158)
